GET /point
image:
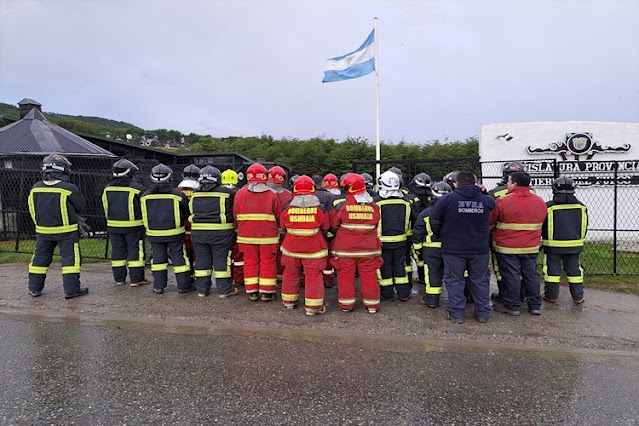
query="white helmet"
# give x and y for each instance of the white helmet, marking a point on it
(389, 181)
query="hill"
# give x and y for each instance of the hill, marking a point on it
(12, 111)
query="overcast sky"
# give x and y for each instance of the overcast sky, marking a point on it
(252, 67)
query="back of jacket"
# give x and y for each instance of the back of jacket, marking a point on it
(121, 201)
(211, 209)
(356, 229)
(164, 210)
(54, 208)
(396, 221)
(566, 224)
(257, 215)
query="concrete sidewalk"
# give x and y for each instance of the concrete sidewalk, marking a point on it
(606, 321)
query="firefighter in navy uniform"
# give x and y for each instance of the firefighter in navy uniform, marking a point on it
(187, 185)
(164, 211)
(563, 236)
(396, 220)
(54, 204)
(420, 198)
(121, 201)
(230, 181)
(429, 248)
(212, 233)
(326, 204)
(370, 184)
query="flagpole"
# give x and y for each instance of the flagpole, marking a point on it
(377, 151)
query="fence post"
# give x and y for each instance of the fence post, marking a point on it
(614, 222)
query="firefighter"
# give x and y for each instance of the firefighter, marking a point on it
(276, 179)
(326, 203)
(331, 184)
(164, 211)
(54, 204)
(121, 201)
(212, 233)
(429, 248)
(369, 184)
(420, 197)
(396, 220)
(304, 248)
(257, 211)
(189, 183)
(356, 246)
(563, 236)
(230, 181)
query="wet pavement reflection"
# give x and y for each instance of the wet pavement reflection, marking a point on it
(154, 373)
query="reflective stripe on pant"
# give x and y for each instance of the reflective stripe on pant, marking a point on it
(393, 274)
(552, 274)
(366, 268)
(313, 283)
(128, 246)
(160, 252)
(260, 271)
(43, 255)
(433, 274)
(238, 265)
(328, 273)
(454, 268)
(214, 255)
(516, 269)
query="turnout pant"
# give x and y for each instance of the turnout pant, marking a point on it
(313, 282)
(516, 269)
(552, 275)
(260, 270)
(477, 266)
(433, 274)
(213, 251)
(128, 246)
(366, 267)
(69, 243)
(238, 265)
(161, 249)
(392, 274)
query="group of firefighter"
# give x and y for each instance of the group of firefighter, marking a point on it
(262, 236)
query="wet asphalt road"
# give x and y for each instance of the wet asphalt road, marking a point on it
(67, 371)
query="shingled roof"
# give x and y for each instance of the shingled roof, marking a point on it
(34, 134)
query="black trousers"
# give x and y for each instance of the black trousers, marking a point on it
(517, 270)
(393, 276)
(433, 274)
(552, 275)
(161, 249)
(213, 256)
(128, 246)
(69, 244)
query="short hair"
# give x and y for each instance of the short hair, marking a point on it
(317, 180)
(465, 177)
(520, 178)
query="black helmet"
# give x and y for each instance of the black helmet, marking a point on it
(161, 174)
(124, 168)
(451, 179)
(56, 166)
(512, 167)
(292, 180)
(210, 174)
(563, 185)
(368, 179)
(398, 173)
(439, 189)
(191, 172)
(421, 182)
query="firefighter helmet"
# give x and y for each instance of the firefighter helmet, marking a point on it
(292, 180)
(368, 179)
(304, 185)
(451, 179)
(420, 183)
(330, 181)
(512, 167)
(229, 177)
(563, 185)
(276, 174)
(439, 189)
(124, 168)
(210, 174)
(191, 172)
(256, 173)
(161, 174)
(354, 184)
(389, 181)
(56, 166)
(398, 173)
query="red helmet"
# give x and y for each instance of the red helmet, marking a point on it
(354, 184)
(256, 173)
(276, 174)
(304, 185)
(330, 181)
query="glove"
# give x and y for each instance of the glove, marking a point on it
(83, 226)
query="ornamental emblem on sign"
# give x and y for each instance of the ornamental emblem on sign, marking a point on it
(577, 144)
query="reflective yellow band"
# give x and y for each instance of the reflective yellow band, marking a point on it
(576, 280)
(251, 280)
(313, 302)
(392, 238)
(159, 266)
(552, 278)
(385, 282)
(562, 243)
(181, 269)
(37, 269)
(118, 263)
(56, 229)
(356, 253)
(357, 226)
(71, 269)
(124, 223)
(370, 302)
(401, 280)
(290, 297)
(519, 226)
(347, 301)
(316, 255)
(433, 290)
(210, 226)
(256, 216)
(512, 250)
(302, 232)
(408, 268)
(136, 263)
(203, 273)
(434, 244)
(417, 246)
(165, 232)
(222, 274)
(258, 240)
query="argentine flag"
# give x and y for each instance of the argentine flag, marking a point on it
(352, 65)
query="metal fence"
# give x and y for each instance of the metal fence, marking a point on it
(610, 190)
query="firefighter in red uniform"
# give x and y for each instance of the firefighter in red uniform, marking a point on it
(276, 179)
(356, 245)
(304, 248)
(257, 212)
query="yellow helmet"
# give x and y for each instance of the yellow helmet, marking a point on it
(229, 177)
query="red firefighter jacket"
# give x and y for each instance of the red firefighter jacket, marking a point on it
(517, 220)
(257, 215)
(356, 229)
(304, 238)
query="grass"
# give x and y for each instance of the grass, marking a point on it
(92, 247)
(623, 284)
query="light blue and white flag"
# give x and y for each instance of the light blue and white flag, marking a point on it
(352, 65)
